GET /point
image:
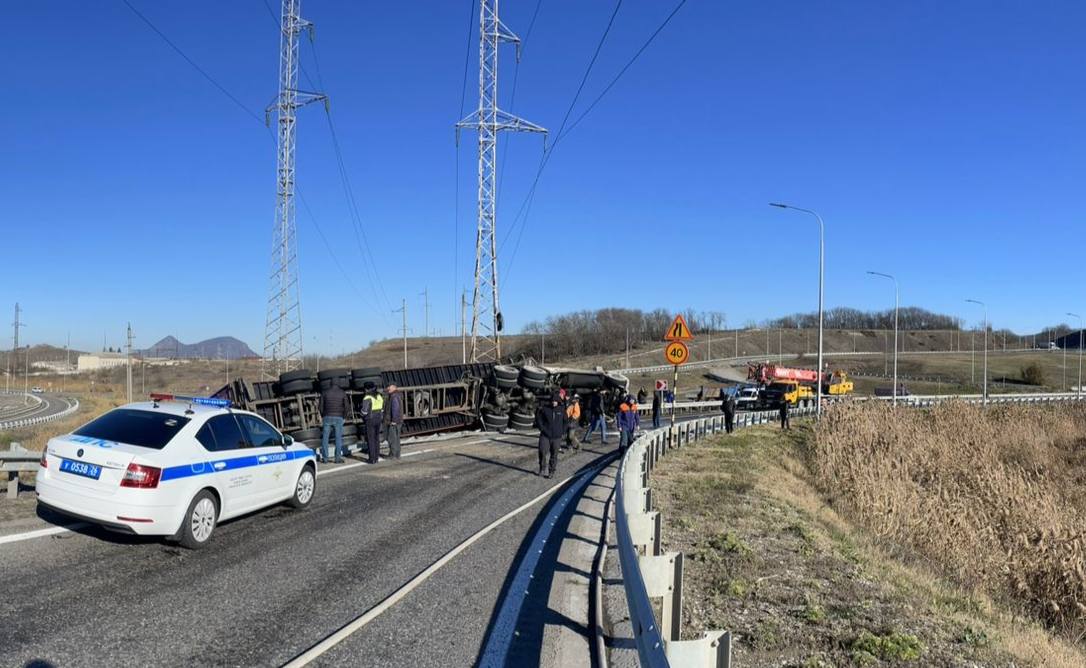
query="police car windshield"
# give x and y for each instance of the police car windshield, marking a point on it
(146, 429)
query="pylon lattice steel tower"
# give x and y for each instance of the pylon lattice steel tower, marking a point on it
(283, 328)
(488, 120)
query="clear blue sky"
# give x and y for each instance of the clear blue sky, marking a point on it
(944, 142)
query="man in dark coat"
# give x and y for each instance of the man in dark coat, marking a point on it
(550, 420)
(785, 424)
(333, 408)
(393, 421)
(728, 406)
(657, 400)
(596, 418)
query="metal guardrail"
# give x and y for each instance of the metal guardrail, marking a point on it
(649, 574)
(14, 460)
(73, 406)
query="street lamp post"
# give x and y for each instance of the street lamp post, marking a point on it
(985, 306)
(821, 276)
(1075, 315)
(897, 305)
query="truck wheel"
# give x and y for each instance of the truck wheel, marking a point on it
(300, 374)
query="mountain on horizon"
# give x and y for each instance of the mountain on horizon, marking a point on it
(220, 347)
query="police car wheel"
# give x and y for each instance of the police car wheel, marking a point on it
(304, 488)
(199, 522)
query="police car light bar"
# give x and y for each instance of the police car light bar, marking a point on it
(202, 401)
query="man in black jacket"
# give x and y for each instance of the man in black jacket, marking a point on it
(333, 408)
(550, 419)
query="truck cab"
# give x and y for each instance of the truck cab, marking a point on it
(794, 392)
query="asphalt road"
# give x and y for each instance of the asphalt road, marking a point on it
(13, 408)
(274, 583)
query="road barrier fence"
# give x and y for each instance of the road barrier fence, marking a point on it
(653, 579)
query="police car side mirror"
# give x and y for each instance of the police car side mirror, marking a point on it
(288, 440)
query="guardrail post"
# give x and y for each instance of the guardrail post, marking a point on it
(13, 484)
(712, 649)
(664, 579)
(645, 531)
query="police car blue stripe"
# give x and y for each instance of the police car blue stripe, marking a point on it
(218, 465)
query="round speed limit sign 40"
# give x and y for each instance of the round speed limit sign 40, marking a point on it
(677, 353)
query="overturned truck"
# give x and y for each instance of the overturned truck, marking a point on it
(436, 399)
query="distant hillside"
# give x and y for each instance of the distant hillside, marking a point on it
(39, 353)
(220, 347)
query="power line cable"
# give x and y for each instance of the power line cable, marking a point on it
(456, 195)
(513, 98)
(256, 118)
(530, 197)
(558, 135)
(191, 62)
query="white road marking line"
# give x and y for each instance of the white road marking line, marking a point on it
(39, 533)
(346, 631)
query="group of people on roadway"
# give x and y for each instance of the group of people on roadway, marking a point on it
(557, 421)
(376, 410)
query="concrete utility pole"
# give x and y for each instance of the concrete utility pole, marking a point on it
(67, 361)
(737, 343)
(488, 120)
(403, 309)
(425, 294)
(985, 306)
(821, 292)
(26, 377)
(128, 362)
(897, 305)
(627, 347)
(283, 324)
(1075, 315)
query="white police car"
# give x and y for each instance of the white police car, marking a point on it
(175, 466)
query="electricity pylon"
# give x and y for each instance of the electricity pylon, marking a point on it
(283, 328)
(488, 120)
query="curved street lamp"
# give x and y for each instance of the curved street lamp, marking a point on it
(897, 305)
(821, 275)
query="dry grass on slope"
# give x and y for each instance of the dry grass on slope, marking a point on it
(995, 498)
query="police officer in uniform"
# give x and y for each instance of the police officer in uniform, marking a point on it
(373, 411)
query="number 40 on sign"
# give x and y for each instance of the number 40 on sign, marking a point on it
(677, 353)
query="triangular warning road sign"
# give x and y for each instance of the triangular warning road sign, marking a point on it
(679, 330)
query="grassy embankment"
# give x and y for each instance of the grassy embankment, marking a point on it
(887, 538)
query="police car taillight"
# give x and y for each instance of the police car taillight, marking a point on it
(44, 461)
(142, 477)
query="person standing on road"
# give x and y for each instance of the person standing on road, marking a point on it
(573, 417)
(333, 408)
(393, 421)
(642, 395)
(785, 424)
(596, 418)
(627, 422)
(550, 420)
(373, 405)
(657, 400)
(728, 407)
